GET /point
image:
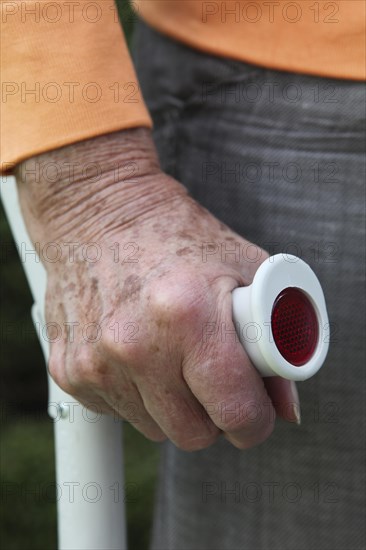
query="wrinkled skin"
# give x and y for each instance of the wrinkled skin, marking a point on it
(145, 331)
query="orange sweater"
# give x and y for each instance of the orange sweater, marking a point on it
(67, 75)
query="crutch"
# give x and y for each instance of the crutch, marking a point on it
(88, 446)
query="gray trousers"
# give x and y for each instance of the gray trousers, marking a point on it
(279, 157)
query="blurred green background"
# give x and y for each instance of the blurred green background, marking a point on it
(27, 508)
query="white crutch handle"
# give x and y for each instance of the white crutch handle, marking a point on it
(281, 319)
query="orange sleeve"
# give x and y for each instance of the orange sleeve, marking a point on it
(320, 38)
(66, 76)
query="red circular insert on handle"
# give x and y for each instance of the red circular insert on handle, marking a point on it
(294, 326)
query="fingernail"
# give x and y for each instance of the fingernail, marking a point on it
(295, 403)
(296, 413)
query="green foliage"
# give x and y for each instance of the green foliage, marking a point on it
(141, 460)
(27, 504)
(28, 511)
(22, 374)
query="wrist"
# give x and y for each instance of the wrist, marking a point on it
(90, 187)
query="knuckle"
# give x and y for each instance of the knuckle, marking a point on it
(266, 431)
(57, 371)
(124, 350)
(157, 438)
(175, 301)
(251, 434)
(198, 443)
(249, 440)
(154, 435)
(248, 417)
(86, 370)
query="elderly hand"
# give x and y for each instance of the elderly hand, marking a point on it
(139, 296)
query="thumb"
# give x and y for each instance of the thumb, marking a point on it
(285, 398)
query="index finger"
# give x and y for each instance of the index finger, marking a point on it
(222, 378)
